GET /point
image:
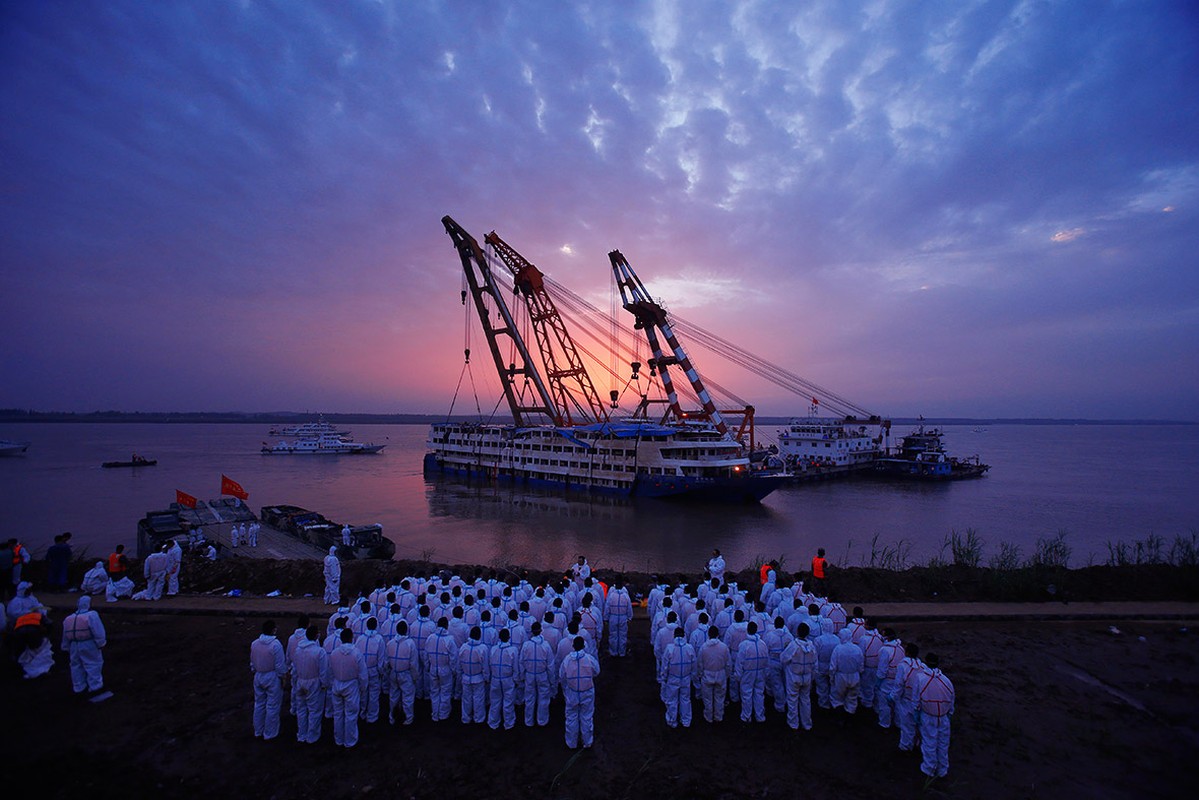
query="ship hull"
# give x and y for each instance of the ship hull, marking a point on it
(750, 488)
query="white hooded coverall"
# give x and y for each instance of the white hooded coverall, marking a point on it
(750, 674)
(83, 636)
(402, 663)
(536, 662)
(845, 666)
(472, 666)
(577, 678)
(347, 668)
(678, 670)
(95, 580)
(715, 664)
(174, 560)
(936, 698)
(503, 672)
(332, 578)
(269, 665)
(310, 671)
(799, 669)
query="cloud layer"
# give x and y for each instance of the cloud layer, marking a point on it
(943, 208)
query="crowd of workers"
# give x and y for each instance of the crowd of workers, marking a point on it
(493, 646)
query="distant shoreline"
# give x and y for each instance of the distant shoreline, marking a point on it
(291, 417)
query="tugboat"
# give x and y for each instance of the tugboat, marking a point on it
(922, 457)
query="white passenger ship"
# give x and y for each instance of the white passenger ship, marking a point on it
(828, 443)
(324, 444)
(631, 458)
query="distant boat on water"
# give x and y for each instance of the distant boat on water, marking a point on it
(11, 448)
(136, 461)
(324, 444)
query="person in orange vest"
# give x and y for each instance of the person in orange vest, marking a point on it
(32, 643)
(819, 573)
(118, 563)
(20, 557)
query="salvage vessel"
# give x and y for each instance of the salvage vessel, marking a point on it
(561, 434)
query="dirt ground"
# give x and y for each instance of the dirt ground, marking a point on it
(1044, 709)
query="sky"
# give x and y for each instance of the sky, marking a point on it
(971, 209)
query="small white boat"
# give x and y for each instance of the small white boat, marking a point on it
(11, 448)
(324, 444)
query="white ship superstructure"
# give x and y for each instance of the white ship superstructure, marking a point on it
(627, 458)
(824, 442)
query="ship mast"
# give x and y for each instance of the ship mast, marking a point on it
(550, 330)
(483, 286)
(651, 318)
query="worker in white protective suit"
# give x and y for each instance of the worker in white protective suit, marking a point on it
(617, 612)
(715, 662)
(371, 644)
(871, 644)
(503, 675)
(890, 655)
(825, 642)
(936, 700)
(909, 675)
(441, 657)
(95, 580)
(845, 669)
(799, 670)
(678, 671)
(347, 671)
(776, 640)
(749, 672)
(310, 681)
(23, 602)
(577, 677)
(472, 672)
(83, 637)
(332, 578)
(174, 562)
(269, 665)
(402, 665)
(716, 566)
(537, 663)
(155, 572)
(289, 652)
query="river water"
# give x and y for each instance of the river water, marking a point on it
(1097, 482)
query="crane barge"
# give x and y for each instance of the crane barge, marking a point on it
(561, 434)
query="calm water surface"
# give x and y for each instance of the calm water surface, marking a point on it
(1097, 482)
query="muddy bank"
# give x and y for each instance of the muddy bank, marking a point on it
(1045, 710)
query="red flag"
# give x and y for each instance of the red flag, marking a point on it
(184, 499)
(232, 487)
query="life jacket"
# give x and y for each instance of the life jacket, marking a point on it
(604, 587)
(818, 563)
(936, 695)
(32, 619)
(17, 558)
(763, 573)
(115, 567)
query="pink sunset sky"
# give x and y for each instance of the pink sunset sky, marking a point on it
(977, 209)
